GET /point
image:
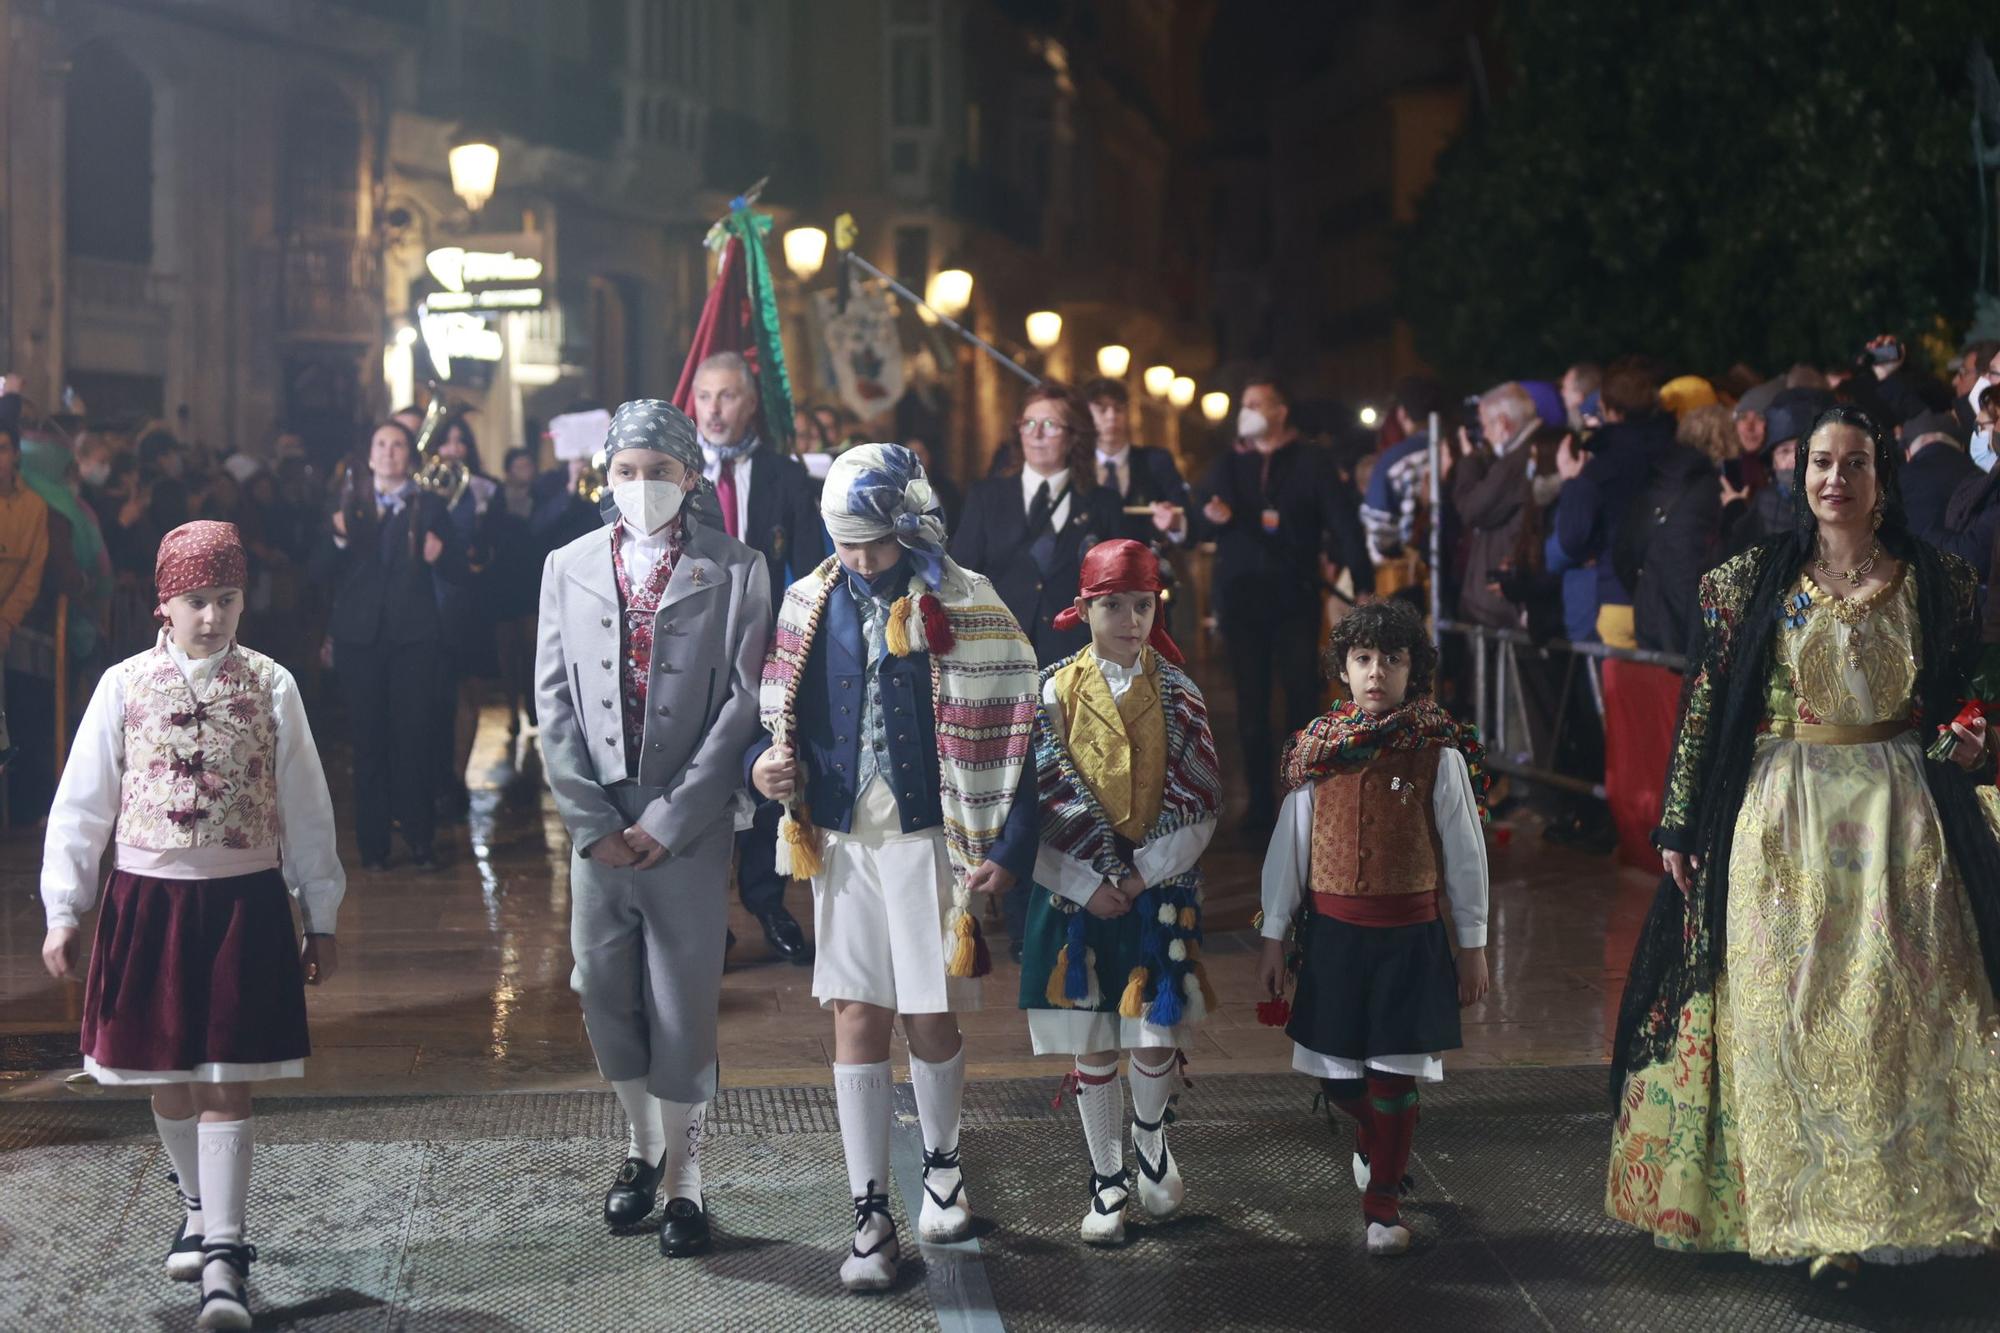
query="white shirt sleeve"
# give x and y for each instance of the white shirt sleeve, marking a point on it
(305, 814)
(1163, 858)
(1464, 848)
(1288, 863)
(85, 813)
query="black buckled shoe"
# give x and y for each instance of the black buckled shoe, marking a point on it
(226, 1305)
(787, 940)
(685, 1231)
(633, 1193)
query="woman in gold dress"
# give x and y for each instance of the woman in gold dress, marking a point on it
(1808, 1052)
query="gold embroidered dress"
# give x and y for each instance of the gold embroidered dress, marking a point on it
(1855, 1036)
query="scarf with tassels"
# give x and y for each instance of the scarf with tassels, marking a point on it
(1172, 986)
(983, 692)
(1348, 737)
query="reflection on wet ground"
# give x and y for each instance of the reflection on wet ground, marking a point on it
(459, 981)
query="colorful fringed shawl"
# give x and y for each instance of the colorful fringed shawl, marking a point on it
(1172, 985)
(983, 685)
(1347, 738)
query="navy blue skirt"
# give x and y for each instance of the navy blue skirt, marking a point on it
(1376, 990)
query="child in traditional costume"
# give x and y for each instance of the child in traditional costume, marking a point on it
(652, 633)
(1385, 812)
(196, 762)
(1130, 793)
(899, 695)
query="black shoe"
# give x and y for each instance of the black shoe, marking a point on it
(685, 1230)
(782, 933)
(424, 860)
(227, 1306)
(630, 1199)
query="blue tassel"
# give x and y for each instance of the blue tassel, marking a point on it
(1076, 975)
(1167, 1001)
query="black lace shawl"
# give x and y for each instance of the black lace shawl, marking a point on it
(1682, 943)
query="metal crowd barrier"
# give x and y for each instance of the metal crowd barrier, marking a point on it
(1502, 712)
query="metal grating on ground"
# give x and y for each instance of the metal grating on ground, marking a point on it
(479, 1212)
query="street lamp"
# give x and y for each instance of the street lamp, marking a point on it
(1369, 416)
(1044, 329)
(475, 167)
(1113, 360)
(1181, 392)
(1215, 406)
(950, 292)
(1158, 379)
(805, 251)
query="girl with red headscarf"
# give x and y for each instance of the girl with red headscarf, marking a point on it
(195, 762)
(1129, 794)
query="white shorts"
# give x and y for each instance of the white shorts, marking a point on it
(1423, 1068)
(879, 909)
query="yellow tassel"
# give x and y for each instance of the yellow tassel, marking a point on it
(1133, 1003)
(1187, 918)
(1053, 992)
(964, 946)
(897, 633)
(1207, 991)
(801, 839)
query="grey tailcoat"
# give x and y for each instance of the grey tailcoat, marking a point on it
(649, 946)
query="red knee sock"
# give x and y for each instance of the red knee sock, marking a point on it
(1350, 1097)
(1392, 1104)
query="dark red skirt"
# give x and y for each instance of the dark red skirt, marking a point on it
(187, 972)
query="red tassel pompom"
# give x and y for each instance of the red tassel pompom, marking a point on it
(937, 625)
(1274, 1013)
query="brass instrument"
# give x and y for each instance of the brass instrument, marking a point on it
(591, 483)
(445, 478)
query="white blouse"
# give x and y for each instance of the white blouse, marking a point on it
(1157, 861)
(1287, 865)
(85, 815)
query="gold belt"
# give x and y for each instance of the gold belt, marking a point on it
(1822, 733)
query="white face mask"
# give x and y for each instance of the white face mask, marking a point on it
(1251, 424)
(96, 474)
(1982, 450)
(648, 505)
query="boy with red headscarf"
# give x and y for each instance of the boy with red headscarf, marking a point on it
(1129, 798)
(195, 760)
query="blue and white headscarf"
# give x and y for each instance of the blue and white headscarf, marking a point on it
(879, 490)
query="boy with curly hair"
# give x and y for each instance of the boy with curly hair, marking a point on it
(1387, 796)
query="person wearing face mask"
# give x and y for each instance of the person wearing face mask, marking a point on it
(389, 548)
(768, 501)
(1284, 521)
(652, 634)
(1971, 519)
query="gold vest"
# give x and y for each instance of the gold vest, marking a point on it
(1119, 747)
(1374, 831)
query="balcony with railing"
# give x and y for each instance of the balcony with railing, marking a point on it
(328, 287)
(117, 288)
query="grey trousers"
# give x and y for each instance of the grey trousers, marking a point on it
(648, 951)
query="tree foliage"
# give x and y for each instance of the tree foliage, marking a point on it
(1760, 180)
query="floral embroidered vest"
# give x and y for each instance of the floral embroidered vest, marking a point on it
(640, 604)
(199, 772)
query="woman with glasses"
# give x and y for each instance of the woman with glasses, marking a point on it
(1028, 531)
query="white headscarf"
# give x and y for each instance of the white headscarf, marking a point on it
(879, 490)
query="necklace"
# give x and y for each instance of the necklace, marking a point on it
(1854, 575)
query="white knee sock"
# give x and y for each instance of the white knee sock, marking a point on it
(1153, 1086)
(225, 1179)
(940, 1090)
(1100, 1101)
(861, 1093)
(645, 1137)
(681, 1122)
(183, 1145)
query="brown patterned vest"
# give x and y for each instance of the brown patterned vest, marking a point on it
(1374, 836)
(199, 772)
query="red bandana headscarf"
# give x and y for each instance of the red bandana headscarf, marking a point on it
(202, 554)
(1123, 566)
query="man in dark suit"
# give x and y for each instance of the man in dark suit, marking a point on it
(1141, 475)
(768, 503)
(390, 547)
(1934, 445)
(1284, 520)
